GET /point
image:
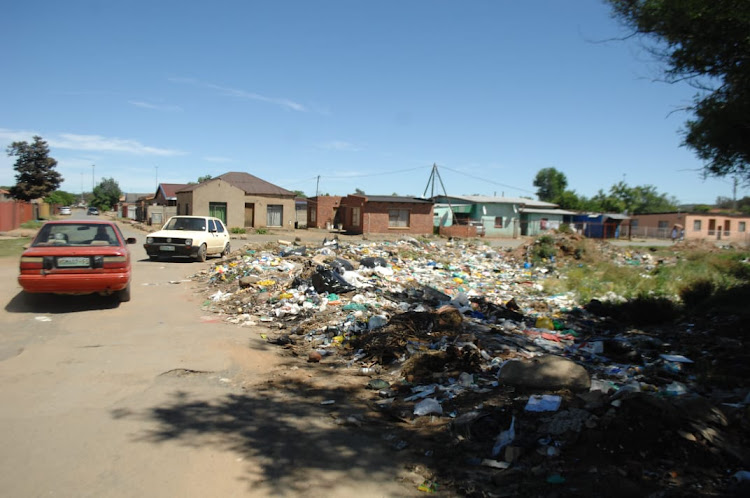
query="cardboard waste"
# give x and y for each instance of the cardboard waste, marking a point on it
(514, 392)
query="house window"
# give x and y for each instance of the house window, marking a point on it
(727, 227)
(663, 224)
(498, 222)
(313, 216)
(274, 215)
(398, 218)
(696, 225)
(740, 226)
(355, 216)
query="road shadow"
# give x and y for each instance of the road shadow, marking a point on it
(24, 302)
(296, 441)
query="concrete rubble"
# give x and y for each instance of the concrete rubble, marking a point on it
(511, 391)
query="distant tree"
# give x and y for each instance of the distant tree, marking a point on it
(299, 193)
(359, 191)
(705, 43)
(204, 178)
(36, 175)
(106, 194)
(568, 199)
(701, 208)
(550, 184)
(61, 198)
(633, 200)
(724, 203)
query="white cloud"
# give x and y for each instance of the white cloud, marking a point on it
(217, 159)
(242, 94)
(73, 141)
(338, 145)
(155, 107)
(16, 135)
(99, 143)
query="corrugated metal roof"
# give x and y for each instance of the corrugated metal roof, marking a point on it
(396, 198)
(485, 199)
(547, 211)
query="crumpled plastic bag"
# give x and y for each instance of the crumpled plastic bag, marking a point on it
(294, 251)
(372, 262)
(324, 280)
(428, 406)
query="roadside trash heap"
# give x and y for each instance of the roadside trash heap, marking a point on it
(497, 386)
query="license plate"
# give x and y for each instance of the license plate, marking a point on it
(166, 248)
(73, 262)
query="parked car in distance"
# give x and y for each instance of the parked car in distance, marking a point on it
(92, 211)
(65, 210)
(78, 257)
(189, 236)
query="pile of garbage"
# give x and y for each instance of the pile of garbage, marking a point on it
(501, 389)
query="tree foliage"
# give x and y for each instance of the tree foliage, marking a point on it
(550, 184)
(35, 171)
(204, 178)
(705, 42)
(106, 194)
(358, 191)
(61, 198)
(620, 198)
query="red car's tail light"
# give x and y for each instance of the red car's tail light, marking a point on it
(115, 261)
(31, 262)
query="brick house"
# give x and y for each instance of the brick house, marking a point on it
(386, 214)
(322, 211)
(697, 226)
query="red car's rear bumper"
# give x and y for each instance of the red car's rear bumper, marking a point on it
(74, 283)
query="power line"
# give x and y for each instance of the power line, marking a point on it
(488, 181)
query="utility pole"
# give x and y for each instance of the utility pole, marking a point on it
(156, 177)
(435, 175)
(93, 183)
(317, 184)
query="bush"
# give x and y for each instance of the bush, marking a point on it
(261, 231)
(237, 230)
(544, 248)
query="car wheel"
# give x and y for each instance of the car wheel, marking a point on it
(124, 295)
(201, 253)
(226, 251)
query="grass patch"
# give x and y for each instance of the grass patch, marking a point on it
(12, 248)
(33, 224)
(261, 231)
(689, 280)
(237, 230)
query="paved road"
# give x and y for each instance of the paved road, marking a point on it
(154, 398)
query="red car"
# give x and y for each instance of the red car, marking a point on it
(78, 257)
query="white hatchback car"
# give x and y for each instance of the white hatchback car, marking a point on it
(190, 236)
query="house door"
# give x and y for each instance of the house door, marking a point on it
(249, 214)
(275, 215)
(218, 210)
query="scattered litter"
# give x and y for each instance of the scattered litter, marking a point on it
(543, 403)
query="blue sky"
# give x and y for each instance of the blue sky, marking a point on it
(361, 94)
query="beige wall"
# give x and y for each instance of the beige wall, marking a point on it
(221, 191)
(733, 228)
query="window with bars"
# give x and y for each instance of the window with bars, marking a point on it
(398, 218)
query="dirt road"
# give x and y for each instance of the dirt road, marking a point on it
(154, 398)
